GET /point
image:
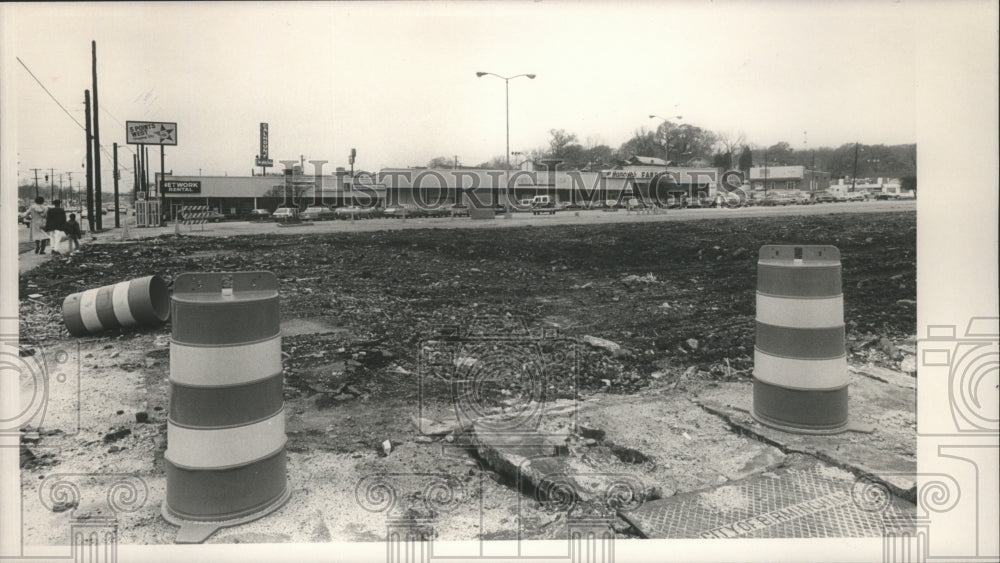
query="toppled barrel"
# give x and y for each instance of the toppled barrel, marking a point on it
(139, 302)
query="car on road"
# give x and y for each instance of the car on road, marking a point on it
(259, 215)
(357, 212)
(543, 204)
(210, 216)
(775, 200)
(283, 214)
(318, 213)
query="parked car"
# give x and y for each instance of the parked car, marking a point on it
(259, 215)
(395, 212)
(824, 197)
(210, 216)
(357, 212)
(775, 200)
(543, 204)
(282, 214)
(856, 196)
(317, 213)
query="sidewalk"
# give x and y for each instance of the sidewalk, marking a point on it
(27, 260)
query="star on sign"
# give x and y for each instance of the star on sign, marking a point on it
(166, 134)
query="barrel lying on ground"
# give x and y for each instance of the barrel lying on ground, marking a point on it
(139, 302)
(800, 359)
(225, 460)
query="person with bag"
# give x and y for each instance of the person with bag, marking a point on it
(55, 225)
(36, 224)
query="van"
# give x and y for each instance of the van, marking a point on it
(542, 204)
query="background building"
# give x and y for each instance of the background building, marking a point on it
(790, 178)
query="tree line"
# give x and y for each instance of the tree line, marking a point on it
(685, 144)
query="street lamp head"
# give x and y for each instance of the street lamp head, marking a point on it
(531, 76)
(481, 74)
(652, 116)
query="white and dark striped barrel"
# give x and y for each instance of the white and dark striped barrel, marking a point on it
(139, 302)
(225, 459)
(800, 360)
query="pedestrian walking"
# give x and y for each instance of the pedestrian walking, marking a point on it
(55, 224)
(73, 232)
(36, 224)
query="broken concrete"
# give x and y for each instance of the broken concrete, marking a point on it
(620, 451)
(888, 454)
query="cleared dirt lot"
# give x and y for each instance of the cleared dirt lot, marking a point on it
(362, 312)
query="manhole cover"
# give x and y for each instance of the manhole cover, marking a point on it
(804, 500)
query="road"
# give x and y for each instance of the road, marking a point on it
(572, 217)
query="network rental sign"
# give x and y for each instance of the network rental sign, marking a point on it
(181, 187)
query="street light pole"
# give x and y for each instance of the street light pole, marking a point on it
(506, 80)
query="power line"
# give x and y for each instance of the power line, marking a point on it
(50, 93)
(104, 150)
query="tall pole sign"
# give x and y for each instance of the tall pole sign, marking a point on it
(263, 159)
(145, 133)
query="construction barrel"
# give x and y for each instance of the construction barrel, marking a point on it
(225, 458)
(800, 374)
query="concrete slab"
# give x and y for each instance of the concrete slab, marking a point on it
(888, 454)
(804, 499)
(618, 451)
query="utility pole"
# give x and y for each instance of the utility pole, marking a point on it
(70, 174)
(61, 189)
(456, 162)
(97, 143)
(52, 183)
(35, 170)
(90, 162)
(163, 196)
(854, 177)
(114, 175)
(765, 172)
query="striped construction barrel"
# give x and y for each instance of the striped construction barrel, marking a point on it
(142, 301)
(800, 361)
(225, 458)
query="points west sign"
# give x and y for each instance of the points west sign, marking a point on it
(150, 133)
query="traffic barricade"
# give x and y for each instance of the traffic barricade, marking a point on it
(225, 458)
(800, 376)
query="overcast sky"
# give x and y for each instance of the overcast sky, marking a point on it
(397, 81)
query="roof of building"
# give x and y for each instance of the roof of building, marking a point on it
(647, 160)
